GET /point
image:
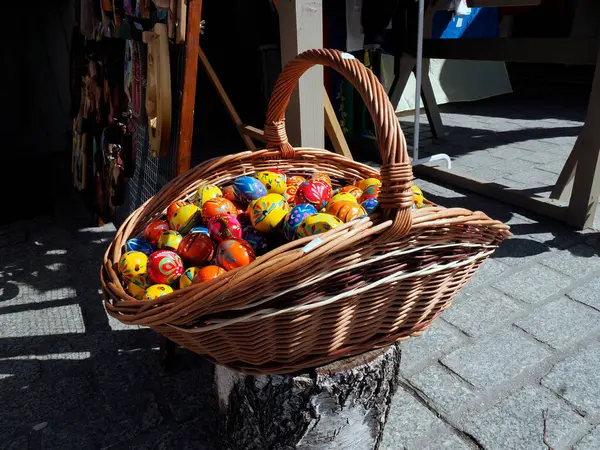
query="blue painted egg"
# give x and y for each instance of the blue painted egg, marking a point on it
(200, 230)
(295, 218)
(247, 189)
(370, 205)
(139, 245)
(256, 239)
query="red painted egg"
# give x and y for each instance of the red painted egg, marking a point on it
(224, 226)
(196, 249)
(218, 205)
(233, 253)
(154, 229)
(165, 266)
(314, 192)
(229, 193)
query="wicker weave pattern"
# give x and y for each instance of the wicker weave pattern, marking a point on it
(360, 286)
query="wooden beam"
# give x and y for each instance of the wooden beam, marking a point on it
(334, 130)
(255, 133)
(497, 191)
(214, 79)
(531, 50)
(186, 124)
(564, 184)
(301, 28)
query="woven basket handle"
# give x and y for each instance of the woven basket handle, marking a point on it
(395, 196)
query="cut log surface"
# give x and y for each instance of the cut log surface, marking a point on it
(340, 406)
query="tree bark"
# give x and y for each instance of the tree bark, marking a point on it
(340, 406)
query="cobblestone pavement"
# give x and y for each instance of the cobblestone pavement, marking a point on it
(520, 343)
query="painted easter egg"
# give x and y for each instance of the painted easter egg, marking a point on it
(169, 240)
(189, 277)
(273, 181)
(418, 196)
(322, 176)
(345, 210)
(372, 191)
(154, 229)
(133, 264)
(256, 239)
(233, 253)
(268, 212)
(247, 189)
(224, 226)
(158, 290)
(165, 266)
(208, 273)
(216, 206)
(364, 184)
(342, 197)
(296, 180)
(174, 207)
(353, 190)
(205, 192)
(199, 230)
(295, 217)
(319, 223)
(314, 192)
(290, 194)
(185, 218)
(196, 249)
(138, 285)
(281, 172)
(229, 193)
(370, 205)
(139, 245)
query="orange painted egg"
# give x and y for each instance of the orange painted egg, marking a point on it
(345, 210)
(158, 290)
(371, 191)
(322, 176)
(196, 249)
(138, 285)
(233, 253)
(174, 207)
(229, 193)
(296, 180)
(154, 229)
(364, 184)
(316, 224)
(185, 218)
(216, 206)
(206, 192)
(169, 240)
(133, 264)
(165, 266)
(314, 192)
(342, 197)
(353, 190)
(268, 212)
(208, 273)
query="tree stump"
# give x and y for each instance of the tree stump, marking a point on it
(340, 406)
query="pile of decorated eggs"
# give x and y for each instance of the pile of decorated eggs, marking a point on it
(225, 227)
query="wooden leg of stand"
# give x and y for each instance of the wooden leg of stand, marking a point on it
(166, 353)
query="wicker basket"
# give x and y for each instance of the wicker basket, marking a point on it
(360, 286)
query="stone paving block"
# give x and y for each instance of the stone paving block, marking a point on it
(443, 388)
(476, 314)
(533, 284)
(497, 359)
(588, 293)
(43, 322)
(577, 378)
(520, 251)
(447, 440)
(490, 270)
(409, 423)
(439, 339)
(517, 422)
(590, 442)
(577, 261)
(561, 323)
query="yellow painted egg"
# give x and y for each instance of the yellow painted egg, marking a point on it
(158, 290)
(418, 196)
(169, 240)
(345, 210)
(316, 224)
(364, 184)
(273, 181)
(138, 285)
(132, 264)
(189, 277)
(206, 192)
(267, 213)
(185, 218)
(342, 197)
